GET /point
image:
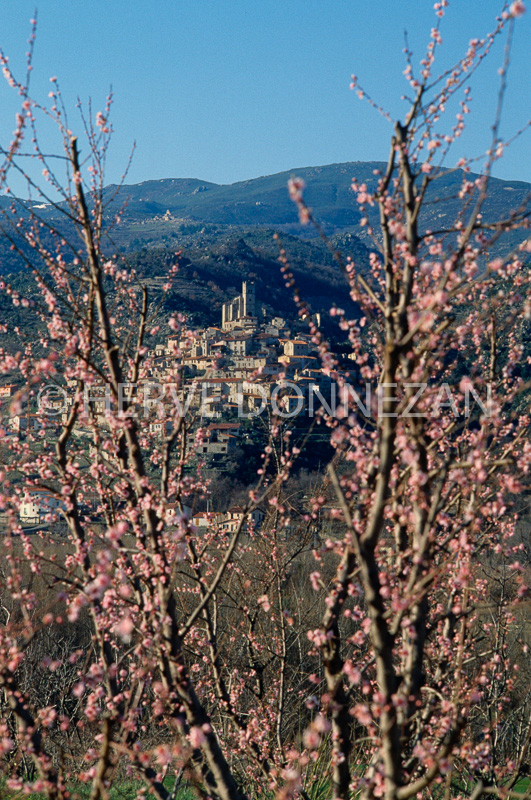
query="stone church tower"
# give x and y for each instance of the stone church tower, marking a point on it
(240, 308)
(249, 299)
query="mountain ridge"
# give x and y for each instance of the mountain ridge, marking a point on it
(264, 201)
(207, 223)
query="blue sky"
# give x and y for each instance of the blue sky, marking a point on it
(226, 90)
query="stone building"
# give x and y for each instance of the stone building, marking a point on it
(241, 308)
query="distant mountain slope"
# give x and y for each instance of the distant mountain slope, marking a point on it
(260, 201)
(155, 197)
(158, 211)
(226, 235)
(265, 201)
(200, 218)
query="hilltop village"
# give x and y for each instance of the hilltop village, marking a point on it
(241, 366)
(223, 378)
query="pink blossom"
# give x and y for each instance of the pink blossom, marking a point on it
(321, 724)
(312, 740)
(163, 755)
(315, 578)
(96, 588)
(264, 602)
(6, 745)
(295, 189)
(362, 714)
(125, 627)
(196, 736)
(47, 716)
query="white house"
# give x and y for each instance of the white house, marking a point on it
(37, 505)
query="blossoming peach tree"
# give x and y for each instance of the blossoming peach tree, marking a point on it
(388, 660)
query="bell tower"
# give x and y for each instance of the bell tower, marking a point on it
(249, 299)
